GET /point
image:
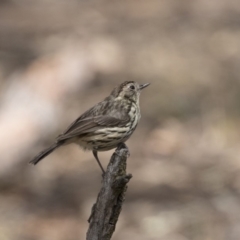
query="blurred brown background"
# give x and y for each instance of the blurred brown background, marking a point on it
(58, 58)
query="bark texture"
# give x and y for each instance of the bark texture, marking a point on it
(106, 210)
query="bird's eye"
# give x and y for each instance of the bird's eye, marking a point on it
(132, 87)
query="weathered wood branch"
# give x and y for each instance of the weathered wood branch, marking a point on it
(106, 210)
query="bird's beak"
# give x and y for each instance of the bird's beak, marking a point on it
(142, 86)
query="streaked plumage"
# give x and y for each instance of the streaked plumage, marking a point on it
(105, 125)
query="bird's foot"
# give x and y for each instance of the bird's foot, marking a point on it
(103, 174)
(123, 146)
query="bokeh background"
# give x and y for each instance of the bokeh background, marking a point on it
(58, 58)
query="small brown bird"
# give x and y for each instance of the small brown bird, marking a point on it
(105, 125)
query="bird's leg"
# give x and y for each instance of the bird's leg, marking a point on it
(99, 163)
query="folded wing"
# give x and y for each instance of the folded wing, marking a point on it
(91, 124)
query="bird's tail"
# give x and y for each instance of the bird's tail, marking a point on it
(44, 153)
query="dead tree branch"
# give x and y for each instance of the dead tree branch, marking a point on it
(106, 210)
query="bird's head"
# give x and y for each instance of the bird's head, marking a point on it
(129, 90)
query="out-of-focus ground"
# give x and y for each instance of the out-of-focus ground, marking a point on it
(58, 58)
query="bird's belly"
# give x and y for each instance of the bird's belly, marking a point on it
(105, 139)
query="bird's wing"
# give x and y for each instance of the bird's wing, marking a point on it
(90, 121)
(91, 124)
(88, 115)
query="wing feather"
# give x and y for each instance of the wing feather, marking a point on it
(89, 122)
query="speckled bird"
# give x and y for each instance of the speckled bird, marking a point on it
(105, 125)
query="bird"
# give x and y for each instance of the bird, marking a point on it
(104, 126)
